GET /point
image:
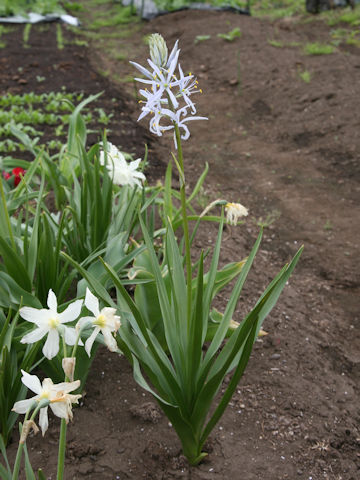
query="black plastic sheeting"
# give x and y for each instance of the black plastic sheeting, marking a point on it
(317, 6)
(147, 9)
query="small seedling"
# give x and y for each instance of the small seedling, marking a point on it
(318, 49)
(305, 76)
(26, 34)
(230, 37)
(201, 38)
(328, 225)
(276, 43)
(59, 37)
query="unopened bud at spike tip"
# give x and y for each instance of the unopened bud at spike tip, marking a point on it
(158, 50)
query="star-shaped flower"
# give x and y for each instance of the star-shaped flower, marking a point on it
(49, 322)
(104, 321)
(58, 395)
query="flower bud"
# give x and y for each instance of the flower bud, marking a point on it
(68, 365)
(28, 425)
(158, 50)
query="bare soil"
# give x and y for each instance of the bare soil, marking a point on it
(283, 148)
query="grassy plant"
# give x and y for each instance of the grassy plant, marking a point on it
(230, 36)
(21, 7)
(305, 75)
(59, 37)
(33, 113)
(201, 38)
(318, 49)
(26, 35)
(275, 43)
(351, 17)
(120, 16)
(345, 35)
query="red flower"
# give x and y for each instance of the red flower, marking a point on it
(18, 173)
(6, 175)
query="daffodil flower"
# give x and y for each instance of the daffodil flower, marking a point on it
(104, 321)
(234, 211)
(58, 395)
(49, 322)
(122, 172)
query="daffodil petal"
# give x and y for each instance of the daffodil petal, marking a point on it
(66, 386)
(71, 312)
(51, 347)
(92, 303)
(43, 420)
(35, 335)
(109, 340)
(31, 381)
(52, 301)
(70, 336)
(60, 409)
(34, 315)
(89, 342)
(23, 405)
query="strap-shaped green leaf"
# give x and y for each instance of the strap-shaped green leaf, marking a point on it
(246, 351)
(14, 266)
(229, 311)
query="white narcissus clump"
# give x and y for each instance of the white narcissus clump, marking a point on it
(104, 321)
(51, 323)
(121, 172)
(60, 400)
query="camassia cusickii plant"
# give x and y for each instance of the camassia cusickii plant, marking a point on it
(185, 378)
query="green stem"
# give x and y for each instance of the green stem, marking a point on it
(17, 463)
(19, 451)
(185, 224)
(5, 210)
(62, 448)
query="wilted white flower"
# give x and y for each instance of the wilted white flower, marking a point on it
(122, 173)
(49, 322)
(234, 211)
(104, 321)
(58, 395)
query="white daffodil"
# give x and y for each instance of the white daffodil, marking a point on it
(104, 321)
(58, 395)
(234, 211)
(49, 322)
(122, 173)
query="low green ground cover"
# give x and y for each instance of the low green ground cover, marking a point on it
(33, 113)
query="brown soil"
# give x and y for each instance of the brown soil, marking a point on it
(281, 147)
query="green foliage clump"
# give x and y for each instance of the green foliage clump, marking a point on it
(317, 48)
